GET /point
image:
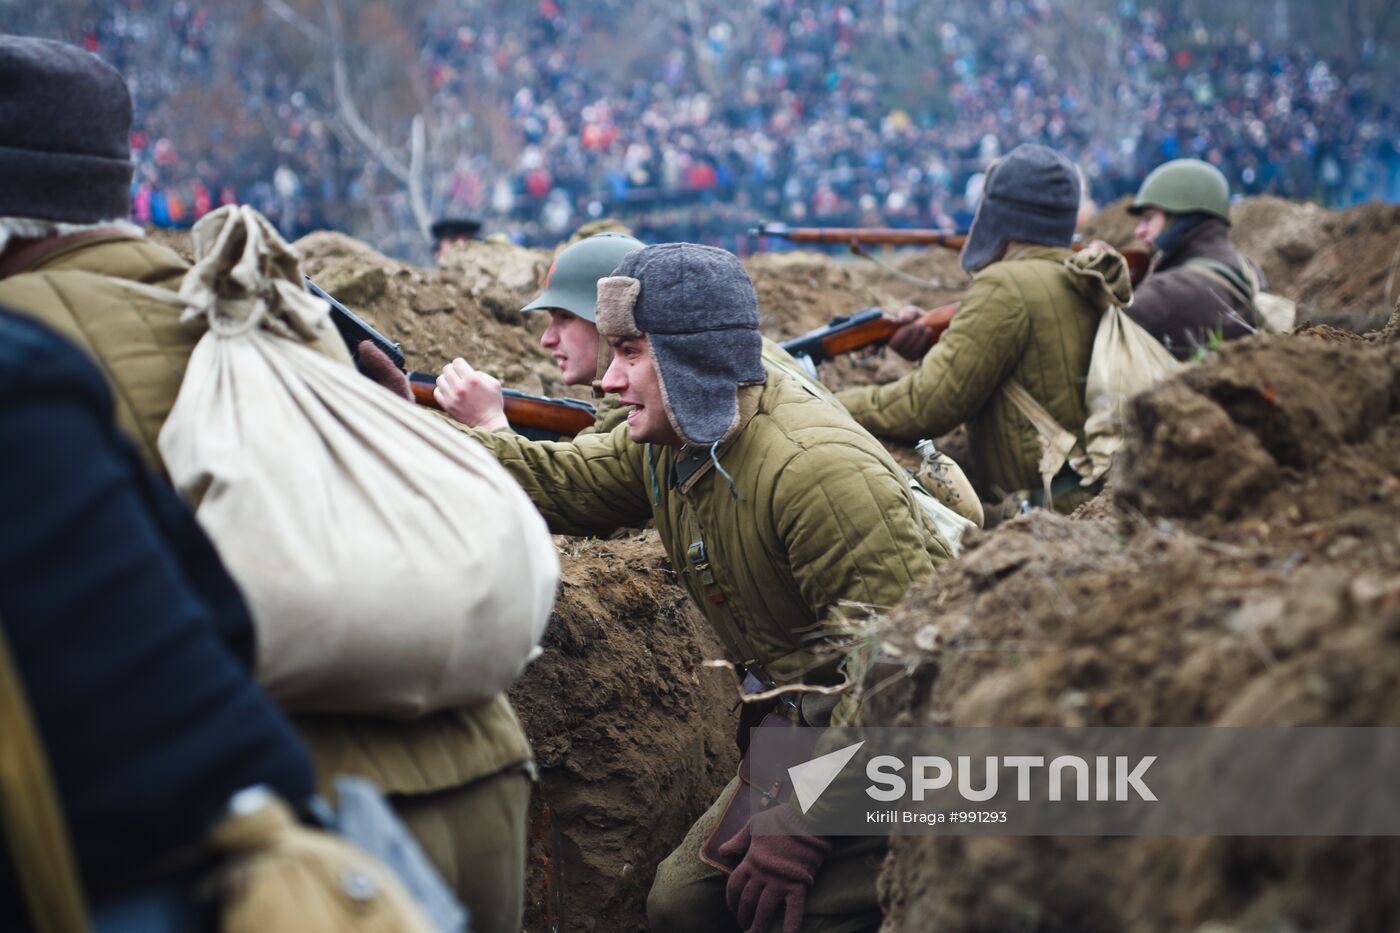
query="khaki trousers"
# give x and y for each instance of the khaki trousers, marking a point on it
(688, 894)
(475, 837)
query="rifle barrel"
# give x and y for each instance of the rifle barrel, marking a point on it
(879, 236)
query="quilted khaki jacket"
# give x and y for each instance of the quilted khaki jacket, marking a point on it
(142, 349)
(817, 514)
(1024, 317)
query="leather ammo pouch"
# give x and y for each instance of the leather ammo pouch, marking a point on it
(761, 789)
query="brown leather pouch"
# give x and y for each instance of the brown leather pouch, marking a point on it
(757, 790)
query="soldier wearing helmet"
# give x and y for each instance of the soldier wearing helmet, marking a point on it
(1199, 287)
(570, 297)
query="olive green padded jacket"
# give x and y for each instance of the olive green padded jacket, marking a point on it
(806, 513)
(1025, 317)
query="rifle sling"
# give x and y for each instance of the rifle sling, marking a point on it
(899, 273)
(1242, 287)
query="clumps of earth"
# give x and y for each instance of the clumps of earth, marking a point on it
(1242, 569)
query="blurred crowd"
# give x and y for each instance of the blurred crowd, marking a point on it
(857, 112)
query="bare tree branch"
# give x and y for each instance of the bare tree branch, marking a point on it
(418, 143)
(301, 23)
(698, 51)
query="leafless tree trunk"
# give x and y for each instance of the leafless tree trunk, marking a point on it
(412, 174)
(698, 51)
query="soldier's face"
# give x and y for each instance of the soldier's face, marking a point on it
(573, 342)
(1151, 225)
(632, 375)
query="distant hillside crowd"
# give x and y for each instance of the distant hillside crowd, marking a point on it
(868, 111)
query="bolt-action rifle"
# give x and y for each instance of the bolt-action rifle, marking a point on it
(536, 417)
(855, 236)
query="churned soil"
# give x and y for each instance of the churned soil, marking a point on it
(1243, 570)
(633, 737)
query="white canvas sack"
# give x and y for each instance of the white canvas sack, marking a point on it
(1126, 360)
(391, 564)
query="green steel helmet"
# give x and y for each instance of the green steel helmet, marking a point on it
(1185, 186)
(572, 283)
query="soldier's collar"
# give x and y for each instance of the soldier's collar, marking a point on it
(41, 252)
(1016, 250)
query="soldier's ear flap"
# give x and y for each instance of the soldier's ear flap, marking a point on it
(617, 305)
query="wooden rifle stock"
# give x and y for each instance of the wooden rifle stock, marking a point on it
(535, 416)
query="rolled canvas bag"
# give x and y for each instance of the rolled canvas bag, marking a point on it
(1126, 360)
(392, 566)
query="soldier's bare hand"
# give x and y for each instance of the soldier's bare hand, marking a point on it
(472, 397)
(1101, 244)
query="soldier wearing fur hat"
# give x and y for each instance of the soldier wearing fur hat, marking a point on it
(458, 778)
(1029, 319)
(1199, 287)
(776, 509)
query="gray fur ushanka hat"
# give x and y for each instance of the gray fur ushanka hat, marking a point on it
(698, 309)
(1032, 196)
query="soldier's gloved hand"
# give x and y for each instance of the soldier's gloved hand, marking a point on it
(912, 340)
(776, 870)
(381, 369)
(472, 397)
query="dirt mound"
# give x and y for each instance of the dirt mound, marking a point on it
(1358, 267)
(1282, 236)
(633, 737)
(1245, 573)
(1112, 224)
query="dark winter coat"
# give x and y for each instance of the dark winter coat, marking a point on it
(129, 638)
(1181, 304)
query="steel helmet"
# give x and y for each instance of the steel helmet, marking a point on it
(1185, 186)
(572, 283)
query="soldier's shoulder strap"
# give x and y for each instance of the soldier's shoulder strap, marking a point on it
(1242, 285)
(30, 816)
